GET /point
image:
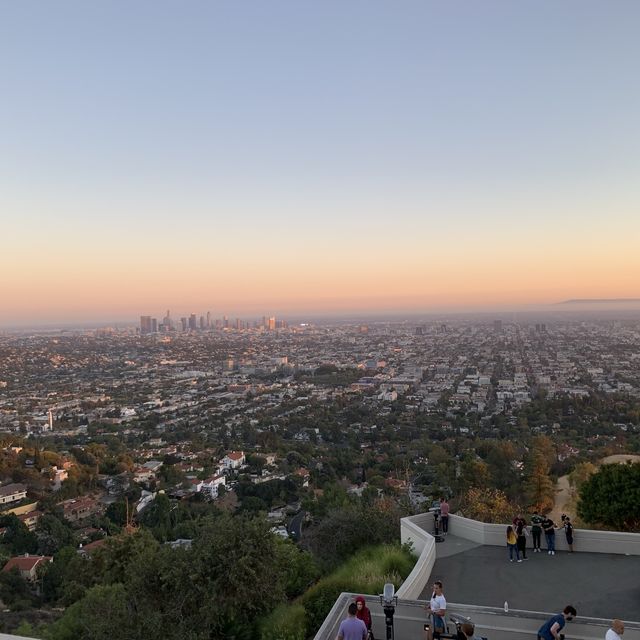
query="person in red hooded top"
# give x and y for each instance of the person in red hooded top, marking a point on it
(364, 614)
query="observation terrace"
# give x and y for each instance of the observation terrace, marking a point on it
(601, 579)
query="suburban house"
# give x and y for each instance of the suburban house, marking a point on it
(143, 474)
(12, 493)
(79, 508)
(233, 460)
(30, 519)
(210, 485)
(27, 565)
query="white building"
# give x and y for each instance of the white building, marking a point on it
(233, 460)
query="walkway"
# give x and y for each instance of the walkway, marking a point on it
(598, 585)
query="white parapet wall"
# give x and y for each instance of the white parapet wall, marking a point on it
(584, 540)
(414, 531)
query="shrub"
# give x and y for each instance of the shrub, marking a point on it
(365, 572)
(320, 598)
(611, 497)
(286, 622)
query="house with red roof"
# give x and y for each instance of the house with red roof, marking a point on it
(233, 460)
(27, 565)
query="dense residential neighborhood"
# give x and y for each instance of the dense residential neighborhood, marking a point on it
(112, 434)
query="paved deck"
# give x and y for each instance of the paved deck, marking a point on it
(597, 584)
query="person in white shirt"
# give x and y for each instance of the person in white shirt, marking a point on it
(616, 631)
(437, 609)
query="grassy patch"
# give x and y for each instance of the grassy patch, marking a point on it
(366, 572)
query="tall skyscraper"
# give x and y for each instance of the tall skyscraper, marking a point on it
(208, 319)
(192, 322)
(145, 325)
(272, 324)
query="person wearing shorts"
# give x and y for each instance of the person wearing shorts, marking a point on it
(437, 609)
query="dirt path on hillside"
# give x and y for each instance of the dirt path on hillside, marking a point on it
(620, 457)
(565, 500)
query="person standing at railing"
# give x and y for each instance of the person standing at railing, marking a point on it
(352, 628)
(536, 531)
(444, 515)
(568, 531)
(520, 525)
(364, 614)
(512, 544)
(549, 527)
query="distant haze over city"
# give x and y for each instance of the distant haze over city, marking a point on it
(571, 310)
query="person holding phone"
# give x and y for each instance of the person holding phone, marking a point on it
(437, 609)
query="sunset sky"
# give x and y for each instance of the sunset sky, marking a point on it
(298, 157)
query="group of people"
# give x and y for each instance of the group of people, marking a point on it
(357, 626)
(518, 532)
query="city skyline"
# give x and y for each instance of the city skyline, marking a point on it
(297, 159)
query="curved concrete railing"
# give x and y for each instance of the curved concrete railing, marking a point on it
(585, 540)
(414, 531)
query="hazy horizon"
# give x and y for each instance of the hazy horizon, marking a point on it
(323, 158)
(563, 311)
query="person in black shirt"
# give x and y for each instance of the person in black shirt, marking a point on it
(568, 531)
(536, 530)
(520, 526)
(549, 528)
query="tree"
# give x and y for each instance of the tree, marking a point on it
(487, 505)
(15, 591)
(231, 577)
(17, 537)
(350, 528)
(473, 473)
(53, 533)
(103, 614)
(539, 488)
(298, 567)
(581, 473)
(611, 497)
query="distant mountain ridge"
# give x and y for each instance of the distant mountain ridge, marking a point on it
(598, 300)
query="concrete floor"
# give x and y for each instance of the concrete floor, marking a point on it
(598, 585)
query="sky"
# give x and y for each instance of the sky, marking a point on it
(297, 157)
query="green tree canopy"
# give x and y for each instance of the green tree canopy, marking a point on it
(231, 577)
(611, 497)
